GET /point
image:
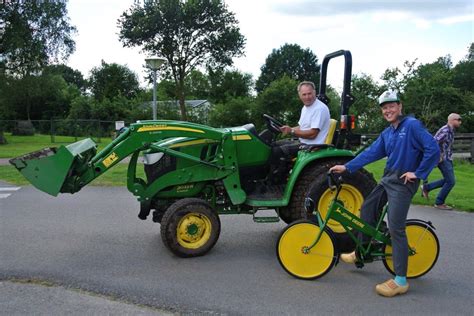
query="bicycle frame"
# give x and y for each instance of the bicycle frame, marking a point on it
(351, 222)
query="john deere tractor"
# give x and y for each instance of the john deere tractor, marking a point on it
(195, 173)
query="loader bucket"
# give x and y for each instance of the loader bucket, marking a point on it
(48, 168)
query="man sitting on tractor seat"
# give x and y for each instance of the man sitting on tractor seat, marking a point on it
(314, 119)
(313, 128)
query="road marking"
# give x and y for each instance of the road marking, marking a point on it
(10, 189)
(7, 189)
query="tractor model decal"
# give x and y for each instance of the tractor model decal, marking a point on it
(151, 128)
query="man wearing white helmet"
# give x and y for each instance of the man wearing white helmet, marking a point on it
(411, 153)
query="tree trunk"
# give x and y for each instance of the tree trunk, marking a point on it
(3, 140)
(182, 105)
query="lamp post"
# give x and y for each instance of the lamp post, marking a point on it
(154, 63)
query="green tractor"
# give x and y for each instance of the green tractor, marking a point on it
(194, 173)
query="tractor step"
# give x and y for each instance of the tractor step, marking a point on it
(265, 219)
(270, 192)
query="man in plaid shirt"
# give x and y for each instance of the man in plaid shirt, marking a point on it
(445, 138)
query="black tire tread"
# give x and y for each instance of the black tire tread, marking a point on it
(170, 220)
(309, 175)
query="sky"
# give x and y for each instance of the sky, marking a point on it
(380, 34)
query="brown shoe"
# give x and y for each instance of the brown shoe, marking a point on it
(443, 207)
(349, 257)
(424, 192)
(390, 288)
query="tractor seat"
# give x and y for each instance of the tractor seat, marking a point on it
(328, 142)
(331, 131)
(264, 137)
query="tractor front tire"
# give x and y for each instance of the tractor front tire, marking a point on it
(190, 228)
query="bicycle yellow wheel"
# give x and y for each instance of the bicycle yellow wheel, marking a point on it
(350, 197)
(294, 257)
(424, 242)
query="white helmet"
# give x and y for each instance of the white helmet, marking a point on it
(388, 96)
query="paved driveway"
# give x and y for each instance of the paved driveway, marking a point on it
(94, 241)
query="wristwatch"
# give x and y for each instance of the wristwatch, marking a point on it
(292, 132)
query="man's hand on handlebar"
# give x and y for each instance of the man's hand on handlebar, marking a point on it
(285, 129)
(338, 169)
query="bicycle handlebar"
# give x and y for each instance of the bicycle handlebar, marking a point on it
(333, 181)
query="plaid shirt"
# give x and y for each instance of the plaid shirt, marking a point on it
(445, 138)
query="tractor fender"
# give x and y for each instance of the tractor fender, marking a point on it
(307, 158)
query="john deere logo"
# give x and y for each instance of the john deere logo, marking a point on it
(110, 160)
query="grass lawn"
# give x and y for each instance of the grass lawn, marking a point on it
(117, 176)
(460, 197)
(20, 145)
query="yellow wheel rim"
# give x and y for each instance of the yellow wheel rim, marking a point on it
(349, 196)
(292, 256)
(426, 248)
(194, 230)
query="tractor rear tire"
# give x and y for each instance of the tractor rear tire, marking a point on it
(313, 183)
(190, 228)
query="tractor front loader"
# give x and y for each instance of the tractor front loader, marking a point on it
(194, 173)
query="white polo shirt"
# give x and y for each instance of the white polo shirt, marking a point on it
(317, 116)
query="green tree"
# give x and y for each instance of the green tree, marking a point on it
(463, 76)
(110, 81)
(187, 33)
(165, 90)
(229, 84)
(7, 112)
(196, 85)
(463, 79)
(71, 76)
(430, 94)
(80, 108)
(38, 97)
(291, 60)
(107, 109)
(396, 78)
(280, 100)
(235, 112)
(365, 108)
(34, 34)
(470, 54)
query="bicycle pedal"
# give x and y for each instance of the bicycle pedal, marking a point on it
(359, 264)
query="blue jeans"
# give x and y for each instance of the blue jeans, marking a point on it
(446, 184)
(399, 196)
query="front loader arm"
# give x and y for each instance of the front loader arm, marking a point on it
(75, 165)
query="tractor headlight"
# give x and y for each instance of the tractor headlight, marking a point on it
(150, 159)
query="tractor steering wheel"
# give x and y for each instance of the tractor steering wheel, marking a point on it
(272, 124)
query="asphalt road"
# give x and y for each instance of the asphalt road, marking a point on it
(94, 242)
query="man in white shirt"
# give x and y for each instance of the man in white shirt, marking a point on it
(313, 125)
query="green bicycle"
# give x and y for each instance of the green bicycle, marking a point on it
(306, 250)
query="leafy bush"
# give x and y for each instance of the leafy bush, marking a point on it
(24, 128)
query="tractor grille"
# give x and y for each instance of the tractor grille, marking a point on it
(166, 164)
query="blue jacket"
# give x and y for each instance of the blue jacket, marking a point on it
(409, 148)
